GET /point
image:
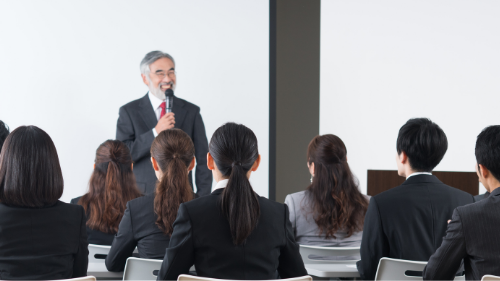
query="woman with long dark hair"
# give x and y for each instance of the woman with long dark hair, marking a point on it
(111, 186)
(233, 233)
(41, 238)
(148, 221)
(331, 211)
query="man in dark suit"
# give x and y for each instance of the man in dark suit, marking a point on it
(140, 121)
(472, 233)
(409, 221)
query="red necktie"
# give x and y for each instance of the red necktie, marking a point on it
(163, 105)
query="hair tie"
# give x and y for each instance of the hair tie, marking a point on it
(236, 164)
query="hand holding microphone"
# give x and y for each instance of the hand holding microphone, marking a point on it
(168, 120)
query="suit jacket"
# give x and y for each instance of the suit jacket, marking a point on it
(472, 235)
(202, 237)
(95, 236)
(43, 243)
(481, 196)
(134, 127)
(408, 222)
(137, 228)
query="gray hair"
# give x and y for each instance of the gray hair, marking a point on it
(152, 57)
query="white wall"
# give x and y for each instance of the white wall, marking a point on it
(67, 66)
(383, 62)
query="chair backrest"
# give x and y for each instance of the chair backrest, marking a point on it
(86, 278)
(141, 269)
(185, 277)
(490, 278)
(98, 253)
(394, 269)
(306, 251)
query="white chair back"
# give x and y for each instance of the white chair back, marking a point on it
(307, 251)
(86, 278)
(395, 269)
(185, 277)
(490, 278)
(141, 269)
(98, 253)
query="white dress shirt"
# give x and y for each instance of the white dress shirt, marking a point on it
(419, 173)
(155, 102)
(220, 184)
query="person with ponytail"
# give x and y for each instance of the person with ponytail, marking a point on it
(111, 186)
(148, 221)
(233, 233)
(331, 211)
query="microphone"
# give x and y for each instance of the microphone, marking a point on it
(169, 100)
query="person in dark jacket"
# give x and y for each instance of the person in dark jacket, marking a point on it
(409, 221)
(148, 220)
(41, 238)
(233, 233)
(112, 185)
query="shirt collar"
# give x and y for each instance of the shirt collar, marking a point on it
(221, 184)
(155, 102)
(418, 173)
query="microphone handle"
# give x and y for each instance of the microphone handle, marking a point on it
(169, 103)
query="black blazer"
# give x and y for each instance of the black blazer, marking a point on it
(202, 237)
(95, 236)
(472, 235)
(407, 222)
(43, 243)
(136, 121)
(137, 228)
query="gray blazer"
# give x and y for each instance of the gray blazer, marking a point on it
(135, 125)
(306, 230)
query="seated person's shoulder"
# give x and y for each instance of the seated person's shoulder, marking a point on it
(75, 200)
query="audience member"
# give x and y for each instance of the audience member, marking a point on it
(409, 221)
(40, 236)
(4, 132)
(482, 196)
(472, 234)
(111, 186)
(233, 233)
(331, 211)
(148, 220)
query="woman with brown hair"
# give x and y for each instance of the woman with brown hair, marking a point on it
(111, 186)
(148, 221)
(331, 211)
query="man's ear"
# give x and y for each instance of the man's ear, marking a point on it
(256, 164)
(403, 158)
(483, 171)
(210, 162)
(191, 165)
(145, 79)
(155, 164)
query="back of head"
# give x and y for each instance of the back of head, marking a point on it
(112, 184)
(488, 150)
(173, 150)
(337, 202)
(30, 174)
(4, 132)
(234, 150)
(424, 142)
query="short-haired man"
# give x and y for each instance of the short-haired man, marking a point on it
(409, 221)
(140, 121)
(473, 231)
(4, 132)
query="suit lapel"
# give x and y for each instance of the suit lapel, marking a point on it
(179, 111)
(147, 112)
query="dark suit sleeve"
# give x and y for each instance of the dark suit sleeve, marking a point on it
(444, 263)
(374, 244)
(82, 255)
(123, 245)
(179, 256)
(290, 262)
(203, 175)
(139, 145)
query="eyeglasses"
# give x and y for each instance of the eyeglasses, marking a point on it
(162, 74)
